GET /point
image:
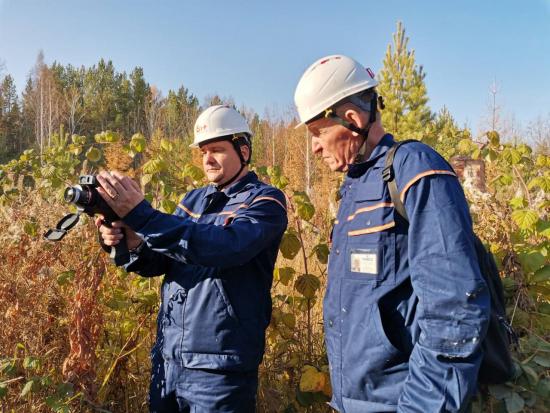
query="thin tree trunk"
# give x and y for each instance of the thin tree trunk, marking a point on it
(273, 146)
(50, 120)
(41, 119)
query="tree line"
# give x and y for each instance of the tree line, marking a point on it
(87, 100)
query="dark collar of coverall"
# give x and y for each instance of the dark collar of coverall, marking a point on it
(214, 196)
(357, 169)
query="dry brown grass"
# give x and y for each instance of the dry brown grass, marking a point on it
(92, 325)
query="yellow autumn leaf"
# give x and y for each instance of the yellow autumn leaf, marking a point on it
(93, 154)
(312, 380)
(289, 320)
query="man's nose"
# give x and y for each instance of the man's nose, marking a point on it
(208, 158)
(315, 146)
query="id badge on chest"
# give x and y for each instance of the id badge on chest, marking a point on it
(364, 261)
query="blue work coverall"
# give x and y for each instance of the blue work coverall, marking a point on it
(217, 253)
(406, 306)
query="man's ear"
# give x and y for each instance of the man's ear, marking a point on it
(356, 117)
(245, 151)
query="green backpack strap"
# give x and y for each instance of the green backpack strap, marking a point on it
(388, 174)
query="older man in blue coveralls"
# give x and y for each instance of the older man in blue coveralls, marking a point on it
(406, 307)
(217, 253)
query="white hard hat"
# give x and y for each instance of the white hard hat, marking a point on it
(327, 81)
(218, 121)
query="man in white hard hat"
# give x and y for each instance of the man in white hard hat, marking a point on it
(406, 307)
(217, 252)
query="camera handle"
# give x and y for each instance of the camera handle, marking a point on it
(118, 253)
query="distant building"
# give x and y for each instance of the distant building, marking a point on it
(471, 172)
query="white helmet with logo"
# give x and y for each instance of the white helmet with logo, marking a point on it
(327, 81)
(219, 121)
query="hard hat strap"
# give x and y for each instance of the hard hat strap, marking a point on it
(226, 184)
(364, 132)
(329, 113)
(237, 141)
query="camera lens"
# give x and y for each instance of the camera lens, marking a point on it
(82, 196)
(72, 194)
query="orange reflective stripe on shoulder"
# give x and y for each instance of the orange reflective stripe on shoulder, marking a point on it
(189, 212)
(371, 230)
(371, 208)
(422, 175)
(269, 198)
(232, 214)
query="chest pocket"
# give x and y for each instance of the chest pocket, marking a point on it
(370, 252)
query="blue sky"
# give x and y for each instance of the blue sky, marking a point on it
(256, 51)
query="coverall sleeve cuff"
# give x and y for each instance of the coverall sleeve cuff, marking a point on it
(139, 216)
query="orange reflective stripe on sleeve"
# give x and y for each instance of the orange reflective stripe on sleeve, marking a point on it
(189, 212)
(370, 230)
(422, 175)
(229, 219)
(371, 208)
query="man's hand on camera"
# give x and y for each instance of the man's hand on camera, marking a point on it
(112, 236)
(120, 192)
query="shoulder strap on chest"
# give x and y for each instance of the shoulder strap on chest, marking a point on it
(388, 174)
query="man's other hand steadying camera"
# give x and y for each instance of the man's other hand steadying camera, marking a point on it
(112, 236)
(120, 192)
